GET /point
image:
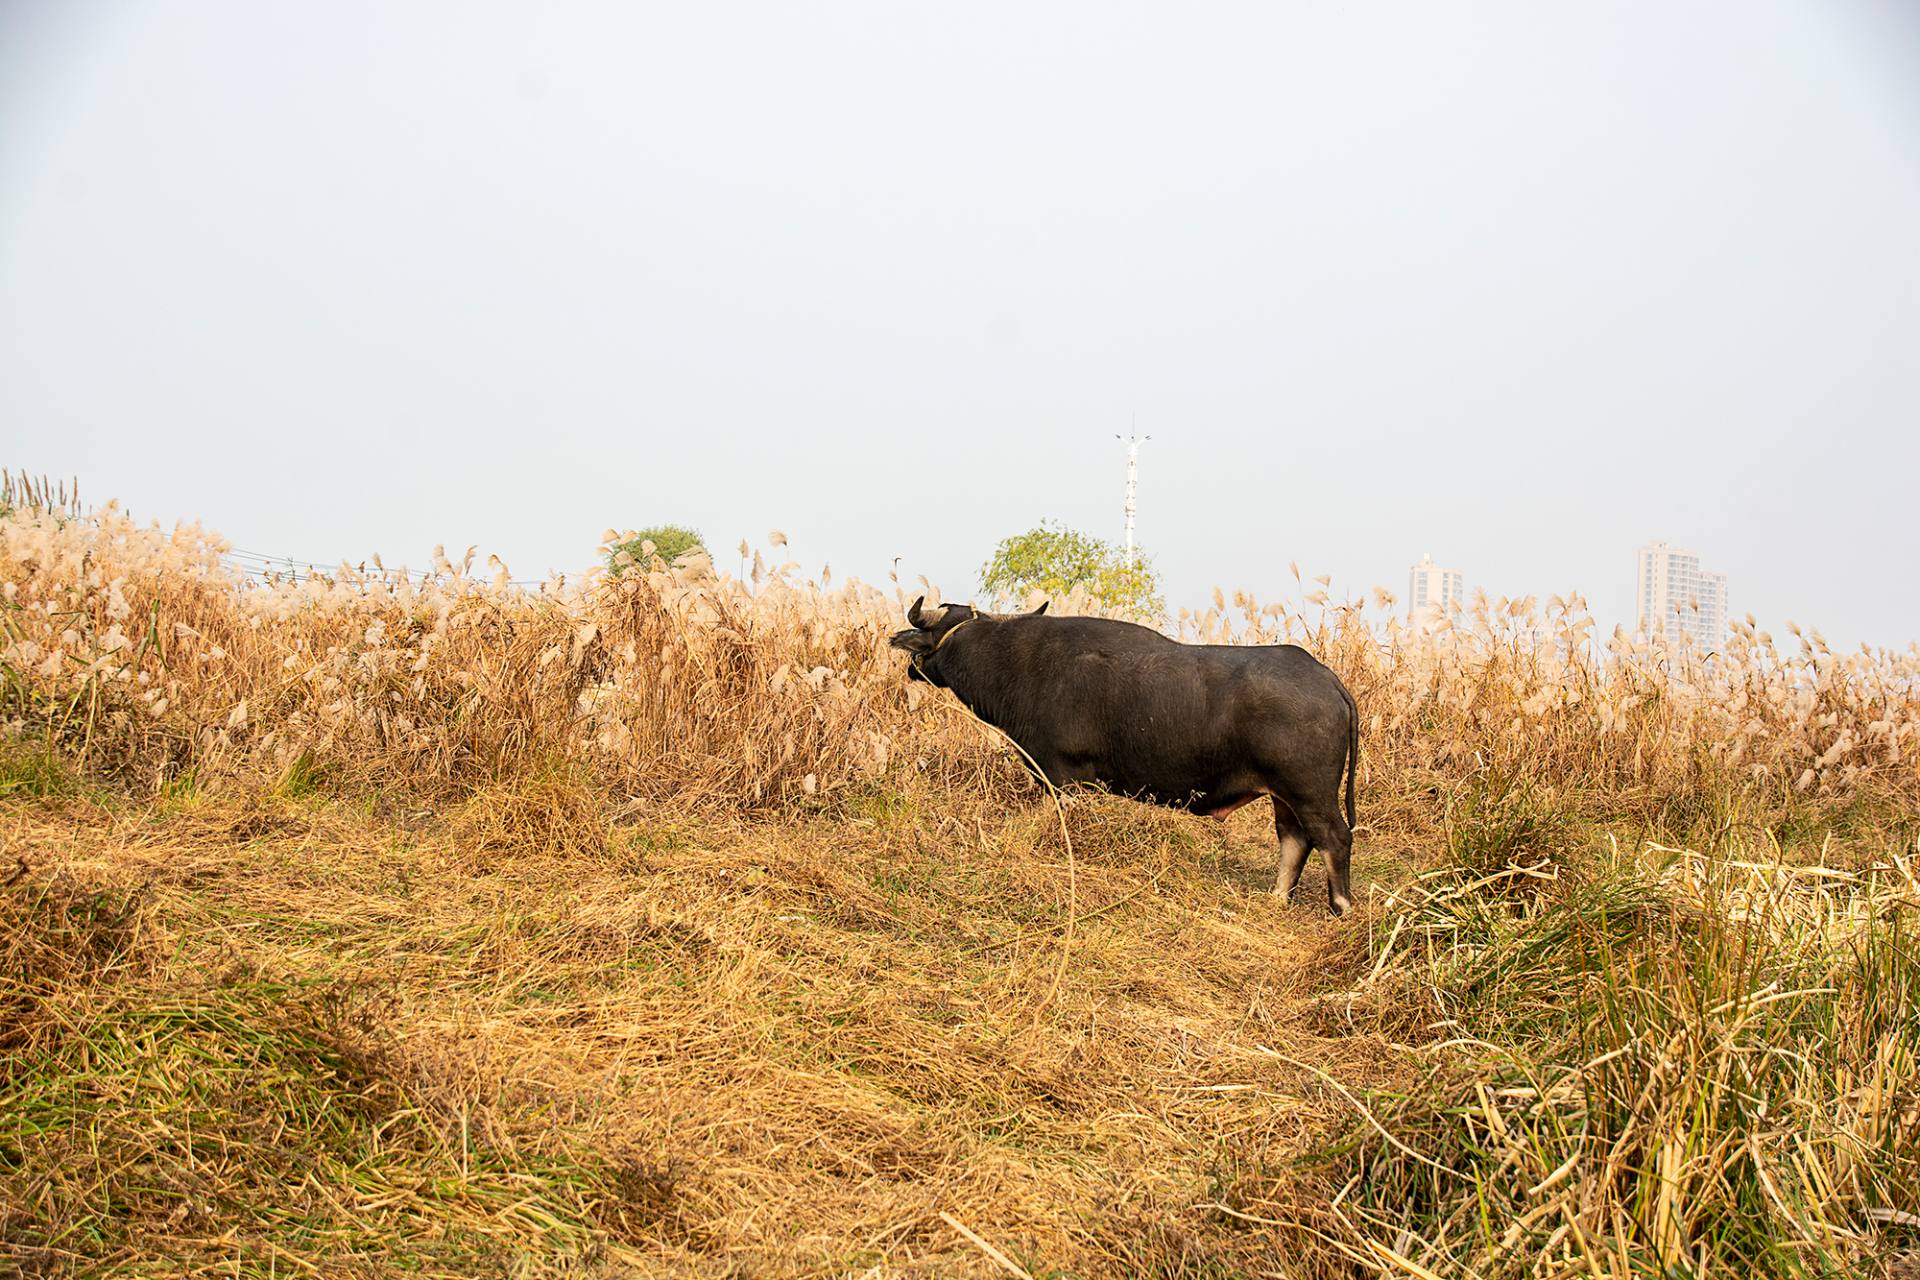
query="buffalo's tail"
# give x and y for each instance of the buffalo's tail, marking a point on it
(1353, 746)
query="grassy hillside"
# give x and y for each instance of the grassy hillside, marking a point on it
(655, 926)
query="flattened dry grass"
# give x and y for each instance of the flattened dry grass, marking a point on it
(296, 1032)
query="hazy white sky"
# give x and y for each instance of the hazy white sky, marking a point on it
(1519, 285)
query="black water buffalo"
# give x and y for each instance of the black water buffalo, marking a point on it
(1206, 728)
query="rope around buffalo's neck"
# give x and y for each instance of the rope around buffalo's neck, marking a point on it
(949, 635)
(918, 659)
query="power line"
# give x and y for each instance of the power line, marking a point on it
(261, 566)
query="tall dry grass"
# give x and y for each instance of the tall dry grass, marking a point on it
(140, 651)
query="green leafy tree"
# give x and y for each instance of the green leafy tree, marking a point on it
(1055, 560)
(670, 542)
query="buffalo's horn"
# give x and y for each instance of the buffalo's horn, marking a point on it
(922, 620)
(1042, 609)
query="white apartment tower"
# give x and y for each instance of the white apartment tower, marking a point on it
(1677, 598)
(1432, 592)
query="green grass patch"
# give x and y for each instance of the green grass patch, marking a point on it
(304, 777)
(31, 772)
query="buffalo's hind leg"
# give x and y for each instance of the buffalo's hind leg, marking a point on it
(1334, 839)
(1294, 847)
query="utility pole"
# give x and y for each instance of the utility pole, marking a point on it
(1133, 484)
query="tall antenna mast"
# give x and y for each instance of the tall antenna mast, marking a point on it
(1133, 484)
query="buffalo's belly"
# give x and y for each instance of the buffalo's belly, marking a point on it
(1202, 790)
(1153, 759)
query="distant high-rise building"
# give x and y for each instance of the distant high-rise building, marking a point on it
(1432, 592)
(1678, 598)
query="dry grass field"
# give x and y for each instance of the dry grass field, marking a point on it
(374, 924)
